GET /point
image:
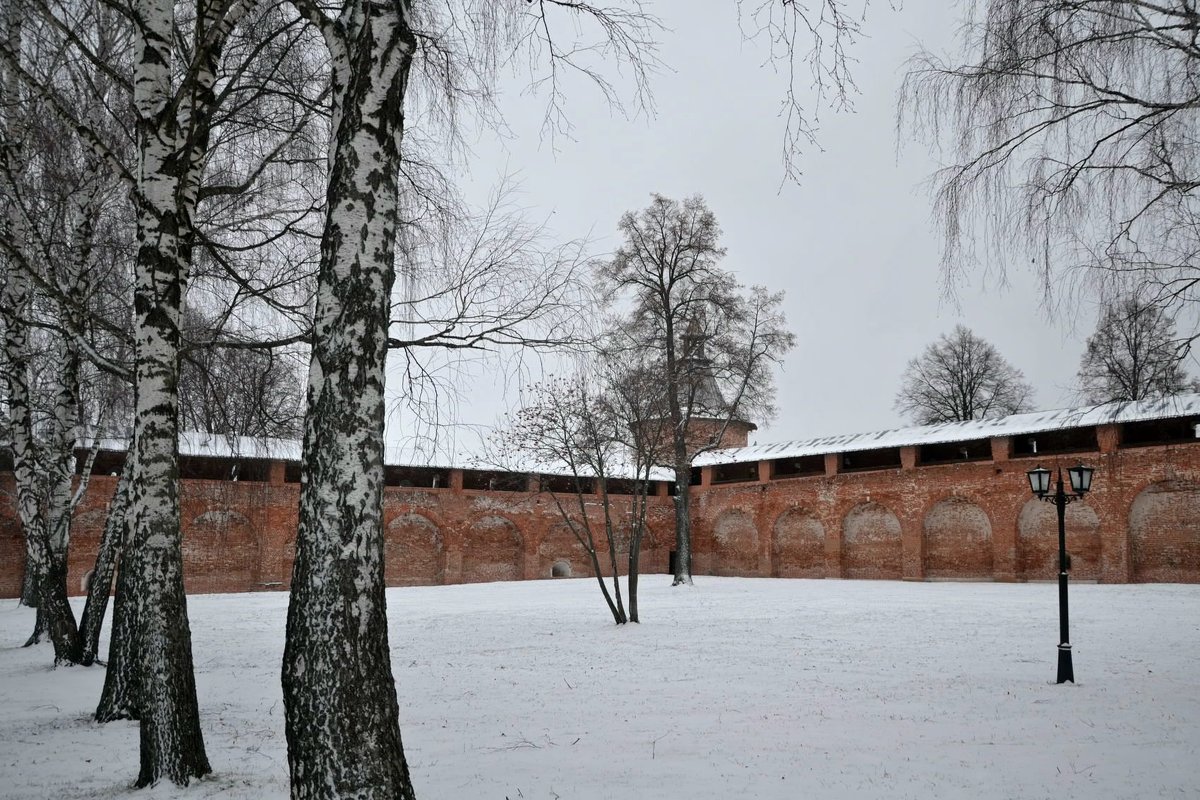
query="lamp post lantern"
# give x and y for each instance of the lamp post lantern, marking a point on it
(1081, 484)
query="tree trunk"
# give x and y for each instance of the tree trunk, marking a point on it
(171, 743)
(120, 698)
(634, 566)
(683, 525)
(60, 446)
(28, 580)
(47, 523)
(60, 619)
(618, 616)
(15, 299)
(340, 704)
(610, 534)
(637, 532)
(39, 627)
(102, 574)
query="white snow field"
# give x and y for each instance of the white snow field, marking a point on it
(738, 688)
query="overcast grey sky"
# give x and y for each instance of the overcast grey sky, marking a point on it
(853, 245)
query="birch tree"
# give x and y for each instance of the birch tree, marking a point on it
(45, 469)
(340, 700)
(714, 343)
(1067, 131)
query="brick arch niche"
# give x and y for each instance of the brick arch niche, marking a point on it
(220, 553)
(1164, 533)
(492, 551)
(560, 545)
(871, 543)
(735, 544)
(957, 540)
(798, 545)
(1037, 541)
(413, 552)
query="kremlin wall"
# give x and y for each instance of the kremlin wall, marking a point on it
(946, 502)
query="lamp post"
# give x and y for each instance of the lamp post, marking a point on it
(1081, 484)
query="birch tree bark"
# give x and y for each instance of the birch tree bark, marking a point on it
(171, 742)
(339, 697)
(120, 698)
(45, 540)
(110, 548)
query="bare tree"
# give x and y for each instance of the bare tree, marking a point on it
(636, 397)
(480, 283)
(340, 699)
(568, 425)
(961, 377)
(1069, 132)
(1134, 354)
(43, 439)
(237, 391)
(810, 43)
(188, 100)
(715, 344)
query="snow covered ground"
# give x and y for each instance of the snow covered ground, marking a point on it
(735, 688)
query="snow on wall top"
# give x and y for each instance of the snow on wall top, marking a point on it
(1182, 405)
(216, 445)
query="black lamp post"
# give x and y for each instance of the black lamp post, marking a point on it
(1081, 483)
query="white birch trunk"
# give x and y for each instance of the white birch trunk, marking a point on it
(171, 742)
(45, 563)
(339, 697)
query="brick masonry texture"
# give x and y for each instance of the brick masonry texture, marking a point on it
(962, 521)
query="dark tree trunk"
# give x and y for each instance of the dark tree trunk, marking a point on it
(340, 705)
(610, 534)
(636, 536)
(29, 583)
(618, 617)
(39, 627)
(59, 618)
(119, 699)
(683, 524)
(102, 574)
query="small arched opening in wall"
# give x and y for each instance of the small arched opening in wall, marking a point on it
(559, 546)
(492, 551)
(871, 543)
(735, 544)
(798, 545)
(957, 541)
(1164, 533)
(560, 569)
(1037, 541)
(413, 552)
(220, 553)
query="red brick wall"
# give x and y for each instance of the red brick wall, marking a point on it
(12, 546)
(974, 520)
(967, 521)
